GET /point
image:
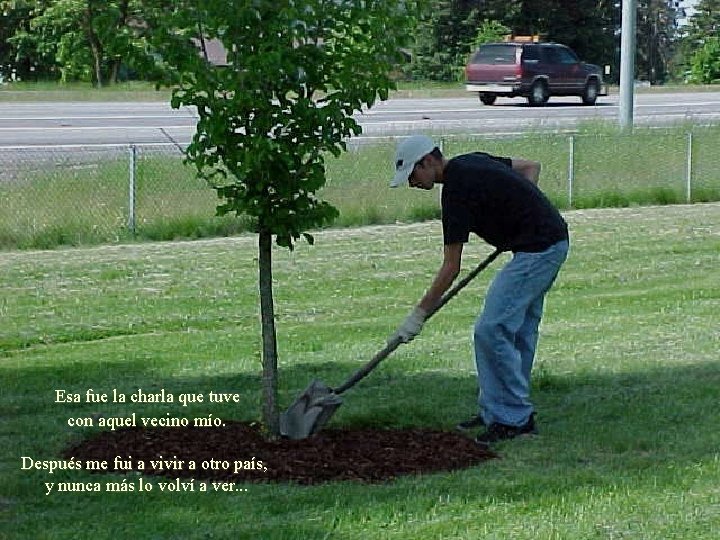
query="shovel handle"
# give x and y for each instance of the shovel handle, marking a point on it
(395, 343)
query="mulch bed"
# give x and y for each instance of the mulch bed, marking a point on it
(365, 455)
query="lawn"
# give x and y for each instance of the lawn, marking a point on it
(626, 381)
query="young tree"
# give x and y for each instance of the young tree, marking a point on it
(296, 72)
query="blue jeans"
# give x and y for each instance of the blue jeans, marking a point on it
(506, 333)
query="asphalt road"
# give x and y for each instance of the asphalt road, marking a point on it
(75, 123)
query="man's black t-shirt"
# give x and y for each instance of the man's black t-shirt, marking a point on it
(484, 195)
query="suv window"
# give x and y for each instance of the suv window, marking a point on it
(494, 54)
(531, 53)
(561, 55)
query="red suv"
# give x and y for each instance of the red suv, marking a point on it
(535, 71)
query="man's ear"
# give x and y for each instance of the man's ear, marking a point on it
(428, 160)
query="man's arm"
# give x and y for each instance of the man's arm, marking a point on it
(528, 168)
(449, 270)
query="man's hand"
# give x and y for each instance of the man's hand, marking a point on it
(411, 326)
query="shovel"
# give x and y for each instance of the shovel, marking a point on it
(318, 402)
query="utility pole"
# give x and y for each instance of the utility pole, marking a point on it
(627, 62)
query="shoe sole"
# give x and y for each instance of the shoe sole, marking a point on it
(465, 429)
(528, 435)
(460, 427)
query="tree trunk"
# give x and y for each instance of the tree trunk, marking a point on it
(270, 413)
(122, 22)
(95, 45)
(114, 72)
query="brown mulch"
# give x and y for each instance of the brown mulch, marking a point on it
(365, 455)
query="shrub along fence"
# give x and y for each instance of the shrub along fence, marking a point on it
(52, 196)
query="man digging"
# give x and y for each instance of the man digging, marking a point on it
(496, 198)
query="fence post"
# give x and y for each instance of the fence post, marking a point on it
(571, 170)
(131, 189)
(688, 172)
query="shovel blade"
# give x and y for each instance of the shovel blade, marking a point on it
(309, 412)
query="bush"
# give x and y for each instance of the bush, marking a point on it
(705, 64)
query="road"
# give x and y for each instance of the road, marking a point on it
(87, 123)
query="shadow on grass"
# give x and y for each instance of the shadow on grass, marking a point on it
(644, 403)
(595, 430)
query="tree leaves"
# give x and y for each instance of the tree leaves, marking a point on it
(705, 64)
(297, 72)
(84, 39)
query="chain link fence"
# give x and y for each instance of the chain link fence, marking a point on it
(600, 170)
(98, 194)
(74, 195)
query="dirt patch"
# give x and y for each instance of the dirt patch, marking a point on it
(365, 455)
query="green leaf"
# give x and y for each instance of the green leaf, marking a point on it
(262, 133)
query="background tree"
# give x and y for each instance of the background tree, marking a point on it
(704, 23)
(50, 39)
(705, 63)
(444, 39)
(15, 17)
(449, 33)
(588, 27)
(489, 31)
(296, 72)
(655, 39)
(87, 39)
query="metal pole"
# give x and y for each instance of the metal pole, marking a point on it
(131, 193)
(627, 62)
(571, 170)
(688, 173)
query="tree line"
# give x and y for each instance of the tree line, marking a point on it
(106, 41)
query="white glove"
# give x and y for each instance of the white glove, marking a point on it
(411, 326)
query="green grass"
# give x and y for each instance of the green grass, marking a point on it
(52, 91)
(87, 202)
(144, 91)
(625, 382)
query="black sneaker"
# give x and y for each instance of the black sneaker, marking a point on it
(474, 422)
(500, 432)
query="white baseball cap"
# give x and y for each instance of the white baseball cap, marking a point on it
(408, 153)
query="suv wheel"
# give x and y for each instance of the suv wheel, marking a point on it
(590, 92)
(488, 99)
(538, 94)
